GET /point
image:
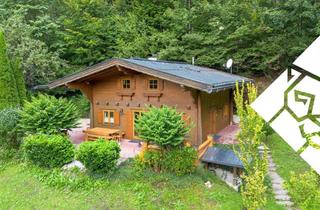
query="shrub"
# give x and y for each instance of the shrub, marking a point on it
(48, 150)
(180, 160)
(163, 126)
(305, 189)
(48, 115)
(99, 156)
(153, 159)
(8, 127)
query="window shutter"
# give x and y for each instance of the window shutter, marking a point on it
(100, 117)
(129, 130)
(116, 118)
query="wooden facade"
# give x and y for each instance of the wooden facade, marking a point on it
(121, 89)
(115, 102)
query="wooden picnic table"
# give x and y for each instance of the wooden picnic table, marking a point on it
(107, 133)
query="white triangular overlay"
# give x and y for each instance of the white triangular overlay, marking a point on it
(309, 60)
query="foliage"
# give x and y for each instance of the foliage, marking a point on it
(20, 83)
(83, 105)
(29, 31)
(48, 115)
(48, 151)
(151, 159)
(305, 189)
(99, 156)
(9, 92)
(162, 126)
(52, 38)
(179, 160)
(250, 138)
(9, 127)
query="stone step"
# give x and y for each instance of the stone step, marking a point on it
(282, 198)
(285, 203)
(280, 192)
(276, 186)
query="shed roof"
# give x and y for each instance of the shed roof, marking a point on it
(222, 156)
(201, 78)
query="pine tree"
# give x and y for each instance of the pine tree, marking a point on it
(19, 80)
(8, 90)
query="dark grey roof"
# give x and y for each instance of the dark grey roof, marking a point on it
(221, 156)
(202, 78)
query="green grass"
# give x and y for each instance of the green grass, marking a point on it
(21, 187)
(286, 159)
(288, 162)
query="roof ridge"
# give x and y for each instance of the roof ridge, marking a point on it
(160, 61)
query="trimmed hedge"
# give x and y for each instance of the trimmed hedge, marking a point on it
(48, 150)
(99, 156)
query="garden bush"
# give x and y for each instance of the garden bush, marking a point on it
(99, 156)
(48, 115)
(179, 160)
(48, 150)
(305, 189)
(8, 127)
(162, 126)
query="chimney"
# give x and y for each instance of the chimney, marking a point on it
(192, 61)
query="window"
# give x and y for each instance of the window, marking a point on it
(153, 84)
(126, 84)
(108, 117)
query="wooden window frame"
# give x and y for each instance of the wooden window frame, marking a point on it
(114, 117)
(123, 85)
(157, 84)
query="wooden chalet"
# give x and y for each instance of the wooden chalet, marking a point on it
(120, 89)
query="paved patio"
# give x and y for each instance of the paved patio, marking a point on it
(129, 148)
(228, 134)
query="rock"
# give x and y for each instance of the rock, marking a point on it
(74, 164)
(208, 184)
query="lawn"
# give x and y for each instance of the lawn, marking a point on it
(286, 159)
(23, 187)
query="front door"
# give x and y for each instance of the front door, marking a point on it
(220, 117)
(135, 117)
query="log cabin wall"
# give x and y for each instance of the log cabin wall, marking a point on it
(108, 94)
(216, 111)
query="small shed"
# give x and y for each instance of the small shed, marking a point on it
(225, 163)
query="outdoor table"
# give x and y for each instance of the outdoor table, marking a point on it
(106, 133)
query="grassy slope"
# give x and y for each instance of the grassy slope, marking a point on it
(19, 189)
(285, 157)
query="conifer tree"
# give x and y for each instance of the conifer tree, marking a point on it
(19, 80)
(8, 90)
